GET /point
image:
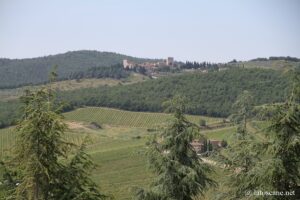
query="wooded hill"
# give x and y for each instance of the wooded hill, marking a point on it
(18, 72)
(209, 94)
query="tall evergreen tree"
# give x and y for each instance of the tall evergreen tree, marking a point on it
(39, 146)
(41, 158)
(243, 108)
(240, 156)
(181, 174)
(281, 170)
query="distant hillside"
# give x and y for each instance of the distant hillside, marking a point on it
(18, 72)
(276, 63)
(209, 94)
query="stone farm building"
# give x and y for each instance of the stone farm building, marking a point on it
(200, 146)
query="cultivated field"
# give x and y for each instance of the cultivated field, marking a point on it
(10, 94)
(117, 117)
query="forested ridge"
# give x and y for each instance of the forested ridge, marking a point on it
(210, 94)
(19, 72)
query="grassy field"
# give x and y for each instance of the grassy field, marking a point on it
(117, 117)
(10, 94)
(220, 134)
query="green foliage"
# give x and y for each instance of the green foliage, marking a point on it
(38, 146)
(180, 172)
(40, 150)
(75, 180)
(209, 94)
(287, 58)
(241, 156)
(243, 108)
(9, 113)
(202, 122)
(280, 172)
(114, 71)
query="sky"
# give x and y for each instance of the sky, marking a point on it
(194, 30)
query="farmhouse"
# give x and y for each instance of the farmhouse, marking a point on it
(201, 146)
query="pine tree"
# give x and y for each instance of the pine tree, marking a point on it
(39, 146)
(281, 170)
(41, 157)
(243, 108)
(241, 155)
(181, 174)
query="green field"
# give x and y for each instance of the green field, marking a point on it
(117, 117)
(118, 148)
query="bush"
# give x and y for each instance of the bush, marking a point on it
(202, 122)
(95, 125)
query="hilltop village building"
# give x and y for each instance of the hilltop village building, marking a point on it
(127, 64)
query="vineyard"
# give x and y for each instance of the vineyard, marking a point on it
(7, 141)
(118, 147)
(127, 118)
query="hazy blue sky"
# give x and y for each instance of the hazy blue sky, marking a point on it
(211, 30)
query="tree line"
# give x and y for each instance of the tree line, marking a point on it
(201, 65)
(115, 71)
(287, 58)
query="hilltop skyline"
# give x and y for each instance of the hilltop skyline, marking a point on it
(214, 31)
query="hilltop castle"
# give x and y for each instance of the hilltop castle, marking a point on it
(148, 65)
